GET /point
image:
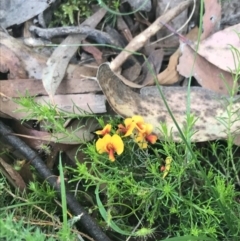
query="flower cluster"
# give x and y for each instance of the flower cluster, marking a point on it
(135, 127)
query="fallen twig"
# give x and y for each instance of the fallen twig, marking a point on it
(97, 35)
(142, 38)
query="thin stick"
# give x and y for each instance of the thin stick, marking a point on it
(142, 38)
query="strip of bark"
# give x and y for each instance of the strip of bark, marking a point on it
(18, 87)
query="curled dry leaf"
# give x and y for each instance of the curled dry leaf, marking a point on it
(150, 69)
(170, 75)
(124, 29)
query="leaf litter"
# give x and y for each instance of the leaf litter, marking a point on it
(213, 66)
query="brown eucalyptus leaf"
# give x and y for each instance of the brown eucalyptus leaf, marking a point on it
(96, 53)
(57, 64)
(124, 29)
(221, 48)
(208, 75)
(211, 18)
(170, 75)
(150, 68)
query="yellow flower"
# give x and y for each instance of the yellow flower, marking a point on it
(105, 130)
(146, 136)
(127, 128)
(139, 122)
(130, 124)
(110, 145)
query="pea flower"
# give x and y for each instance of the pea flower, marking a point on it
(110, 145)
(139, 122)
(105, 130)
(145, 136)
(130, 124)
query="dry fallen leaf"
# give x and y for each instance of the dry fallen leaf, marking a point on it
(10, 62)
(57, 64)
(96, 53)
(221, 48)
(208, 75)
(12, 175)
(170, 75)
(211, 18)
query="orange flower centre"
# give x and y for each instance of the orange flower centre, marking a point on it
(140, 126)
(110, 147)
